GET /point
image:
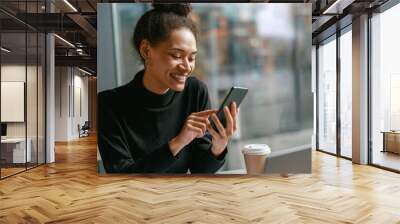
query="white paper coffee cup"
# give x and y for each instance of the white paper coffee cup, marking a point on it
(255, 156)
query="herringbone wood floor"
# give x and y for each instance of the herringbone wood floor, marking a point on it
(70, 191)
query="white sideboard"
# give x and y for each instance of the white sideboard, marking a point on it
(18, 149)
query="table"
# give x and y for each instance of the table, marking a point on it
(238, 171)
(391, 141)
(13, 150)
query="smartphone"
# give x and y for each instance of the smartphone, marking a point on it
(236, 94)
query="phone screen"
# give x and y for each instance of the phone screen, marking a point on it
(236, 94)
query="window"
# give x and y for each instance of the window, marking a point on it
(346, 94)
(385, 86)
(22, 66)
(327, 96)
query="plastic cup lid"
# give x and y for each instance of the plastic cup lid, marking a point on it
(256, 149)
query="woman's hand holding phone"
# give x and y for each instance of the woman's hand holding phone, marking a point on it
(221, 136)
(195, 127)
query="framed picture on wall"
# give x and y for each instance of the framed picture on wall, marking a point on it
(12, 101)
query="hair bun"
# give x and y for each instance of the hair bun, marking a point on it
(182, 9)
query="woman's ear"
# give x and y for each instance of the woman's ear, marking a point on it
(145, 49)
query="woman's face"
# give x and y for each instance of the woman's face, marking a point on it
(173, 60)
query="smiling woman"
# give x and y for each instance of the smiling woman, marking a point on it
(174, 59)
(157, 123)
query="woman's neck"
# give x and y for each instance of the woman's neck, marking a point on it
(152, 84)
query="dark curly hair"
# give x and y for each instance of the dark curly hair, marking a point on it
(157, 24)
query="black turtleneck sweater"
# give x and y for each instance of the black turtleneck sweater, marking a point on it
(135, 126)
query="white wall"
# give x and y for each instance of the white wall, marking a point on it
(33, 126)
(70, 83)
(80, 84)
(17, 73)
(62, 81)
(14, 73)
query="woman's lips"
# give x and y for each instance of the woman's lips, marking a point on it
(179, 78)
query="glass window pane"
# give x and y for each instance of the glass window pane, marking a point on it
(386, 89)
(13, 86)
(327, 96)
(32, 88)
(23, 87)
(31, 100)
(41, 98)
(251, 51)
(346, 94)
